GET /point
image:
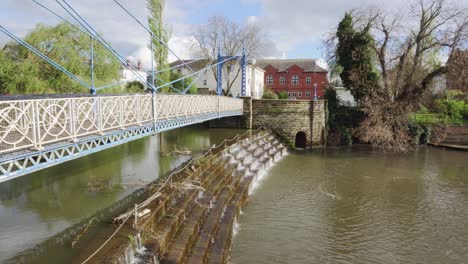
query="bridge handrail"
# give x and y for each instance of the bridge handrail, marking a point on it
(33, 123)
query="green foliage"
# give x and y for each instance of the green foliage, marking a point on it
(452, 106)
(283, 95)
(342, 119)
(134, 87)
(159, 30)
(269, 94)
(21, 71)
(420, 133)
(355, 57)
(182, 85)
(450, 109)
(346, 138)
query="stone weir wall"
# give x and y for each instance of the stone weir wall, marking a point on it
(190, 216)
(456, 135)
(289, 119)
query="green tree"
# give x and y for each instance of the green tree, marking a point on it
(355, 56)
(182, 85)
(269, 94)
(134, 87)
(160, 31)
(21, 71)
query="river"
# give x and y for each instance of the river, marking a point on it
(39, 212)
(338, 206)
(358, 206)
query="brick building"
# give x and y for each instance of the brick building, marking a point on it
(296, 77)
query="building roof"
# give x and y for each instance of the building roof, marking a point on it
(309, 65)
(197, 65)
(200, 64)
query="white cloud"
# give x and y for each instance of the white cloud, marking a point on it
(290, 24)
(127, 37)
(296, 22)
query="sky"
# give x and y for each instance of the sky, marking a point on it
(297, 28)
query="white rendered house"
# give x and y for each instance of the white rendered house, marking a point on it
(206, 82)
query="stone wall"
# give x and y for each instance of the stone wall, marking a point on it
(288, 117)
(285, 117)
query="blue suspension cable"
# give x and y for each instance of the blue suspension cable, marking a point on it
(44, 57)
(155, 37)
(99, 38)
(121, 59)
(194, 73)
(62, 18)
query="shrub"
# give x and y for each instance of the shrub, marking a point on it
(283, 95)
(269, 94)
(452, 107)
(134, 87)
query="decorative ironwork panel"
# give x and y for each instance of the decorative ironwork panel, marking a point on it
(33, 124)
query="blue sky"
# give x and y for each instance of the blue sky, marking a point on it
(297, 28)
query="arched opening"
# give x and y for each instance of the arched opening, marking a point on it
(301, 140)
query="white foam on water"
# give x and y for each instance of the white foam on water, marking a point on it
(236, 227)
(263, 173)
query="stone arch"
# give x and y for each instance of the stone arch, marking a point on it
(301, 140)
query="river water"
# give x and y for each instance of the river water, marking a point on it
(358, 206)
(339, 206)
(39, 212)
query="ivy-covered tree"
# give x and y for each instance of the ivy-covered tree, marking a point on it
(23, 72)
(355, 56)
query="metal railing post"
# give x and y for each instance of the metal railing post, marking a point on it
(155, 113)
(71, 116)
(36, 125)
(99, 115)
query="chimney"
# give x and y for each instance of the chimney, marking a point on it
(139, 65)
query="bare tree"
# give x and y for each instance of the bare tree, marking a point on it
(405, 52)
(231, 38)
(411, 51)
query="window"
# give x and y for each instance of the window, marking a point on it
(205, 83)
(282, 80)
(294, 93)
(299, 94)
(308, 80)
(289, 93)
(308, 93)
(295, 80)
(269, 80)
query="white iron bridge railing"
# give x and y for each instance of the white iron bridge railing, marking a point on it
(32, 124)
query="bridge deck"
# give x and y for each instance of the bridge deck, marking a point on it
(38, 133)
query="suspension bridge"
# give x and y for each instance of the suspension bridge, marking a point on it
(37, 132)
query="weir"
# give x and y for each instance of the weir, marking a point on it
(190, 216)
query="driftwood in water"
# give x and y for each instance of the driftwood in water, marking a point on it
(179, 152)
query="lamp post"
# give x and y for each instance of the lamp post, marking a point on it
(315, 91)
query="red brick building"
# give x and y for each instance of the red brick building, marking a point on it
(295, 77)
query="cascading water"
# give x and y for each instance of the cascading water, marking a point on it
(250, 160)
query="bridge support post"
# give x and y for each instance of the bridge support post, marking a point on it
(244, 73)
(220, 74)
